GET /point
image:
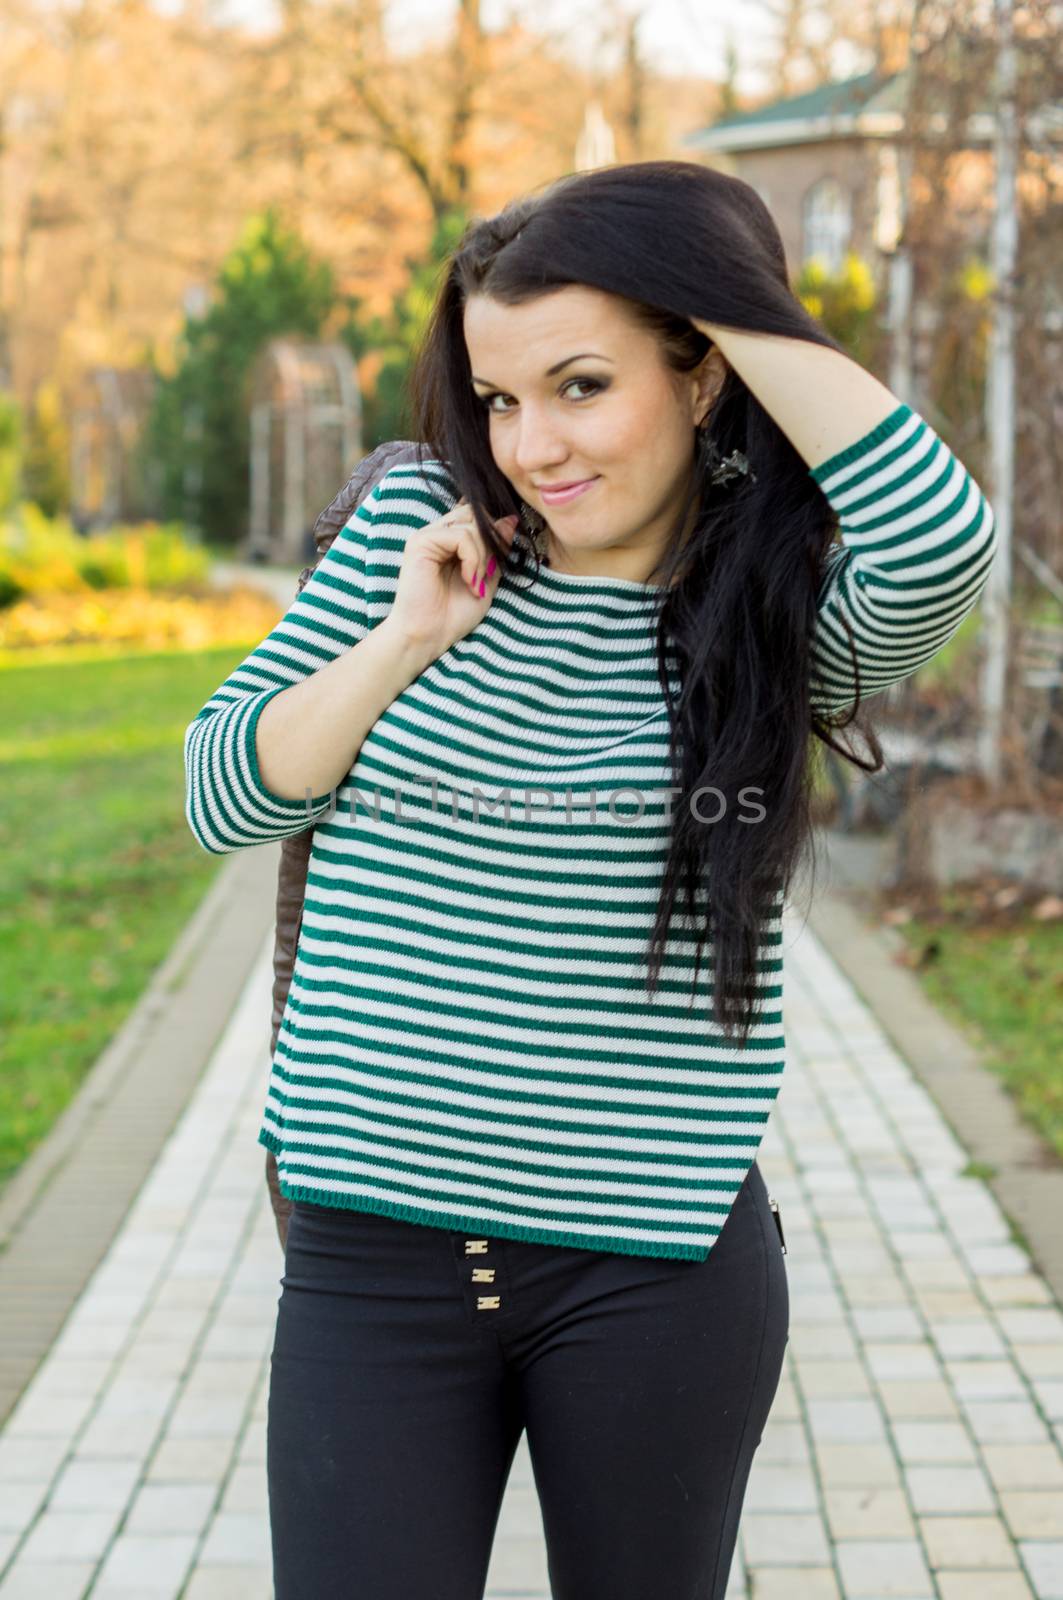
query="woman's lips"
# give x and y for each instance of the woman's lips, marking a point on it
(561, 497)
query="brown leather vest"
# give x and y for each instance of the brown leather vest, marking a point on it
(295, 851)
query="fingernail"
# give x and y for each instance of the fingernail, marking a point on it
(490, 566)
(483, 587)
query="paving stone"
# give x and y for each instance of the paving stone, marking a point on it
(785, 1443)
(953, 1488)
(70, 1535)
(835, 1380)
(147, 1566)
(923, 1398)
(868, 1514)
(238, 1536)
(986, 1380)
(866, 1290)
(73, 1376)
(190, 1460)
(189, 1292)
(968, 1337)
(818, 1341)
(120, 1437)
(1040, 1326)
(521, 1516)
(1044, 1562)
(1024, 1466)
(42, 1415)
(1005, 1422)
(1033, 1513)
(942, 1303)
(1049, 1396)
(784, 1539)
(998, 1259)
(780, 1488)
(794, 1583)
(1014, 1289)
(857, 1465)
(91, 1485)
(913, 1362)
(937, 1274)
(137, 1394)
(207, 1416)
(47, 1580)
(926, 1443)
(223, 1377)
(846, 1421)
(518, 1562)
(26, 1460)
(1039, 1360)
(248, 1490)
(171, 1508)
(91, 1339)
(19, 1504)
(253, 1444)
(977, 1542)
(248, 1581)
(985, 1586)
(883, 1567)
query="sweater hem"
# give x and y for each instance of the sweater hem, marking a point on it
(468, 1223)
(853, 452)
(262, 790)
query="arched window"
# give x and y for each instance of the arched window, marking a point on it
(827, 223)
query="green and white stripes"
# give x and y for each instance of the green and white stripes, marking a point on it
(918, 541)
(467, 1042)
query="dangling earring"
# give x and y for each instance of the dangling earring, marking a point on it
(716, 467)
(534, 528)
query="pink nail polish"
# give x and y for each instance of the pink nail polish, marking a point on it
(483, 587)
(490, 566)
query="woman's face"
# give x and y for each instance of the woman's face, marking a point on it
(611, 413)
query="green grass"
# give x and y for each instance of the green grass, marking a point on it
(101, 869)
(1001, 982)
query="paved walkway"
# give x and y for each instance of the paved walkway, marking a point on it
(915, 1448)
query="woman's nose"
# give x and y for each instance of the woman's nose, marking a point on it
(539, 445)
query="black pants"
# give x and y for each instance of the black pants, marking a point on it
(397, 1401)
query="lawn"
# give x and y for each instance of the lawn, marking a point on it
(101, 869)
(996, 970)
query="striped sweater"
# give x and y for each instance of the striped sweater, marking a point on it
(467, 1042)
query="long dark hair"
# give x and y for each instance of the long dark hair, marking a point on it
(677, 240)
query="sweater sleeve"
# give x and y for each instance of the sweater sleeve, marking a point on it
(918, 538)
(226, 802)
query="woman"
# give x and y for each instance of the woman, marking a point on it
(516, 1110)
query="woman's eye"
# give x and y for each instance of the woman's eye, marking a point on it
(593, 383)
(487, 400)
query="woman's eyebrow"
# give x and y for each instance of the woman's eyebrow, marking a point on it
(550, 371)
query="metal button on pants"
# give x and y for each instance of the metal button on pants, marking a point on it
(482, 1272)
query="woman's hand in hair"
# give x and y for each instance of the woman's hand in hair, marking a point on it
(444, 586)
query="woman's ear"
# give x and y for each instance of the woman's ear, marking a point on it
(709, 378)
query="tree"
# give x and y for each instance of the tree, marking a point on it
(45, 460)
(10, 451)
(389, 342)
(198, 431)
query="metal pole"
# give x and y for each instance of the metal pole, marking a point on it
(1000, 397)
